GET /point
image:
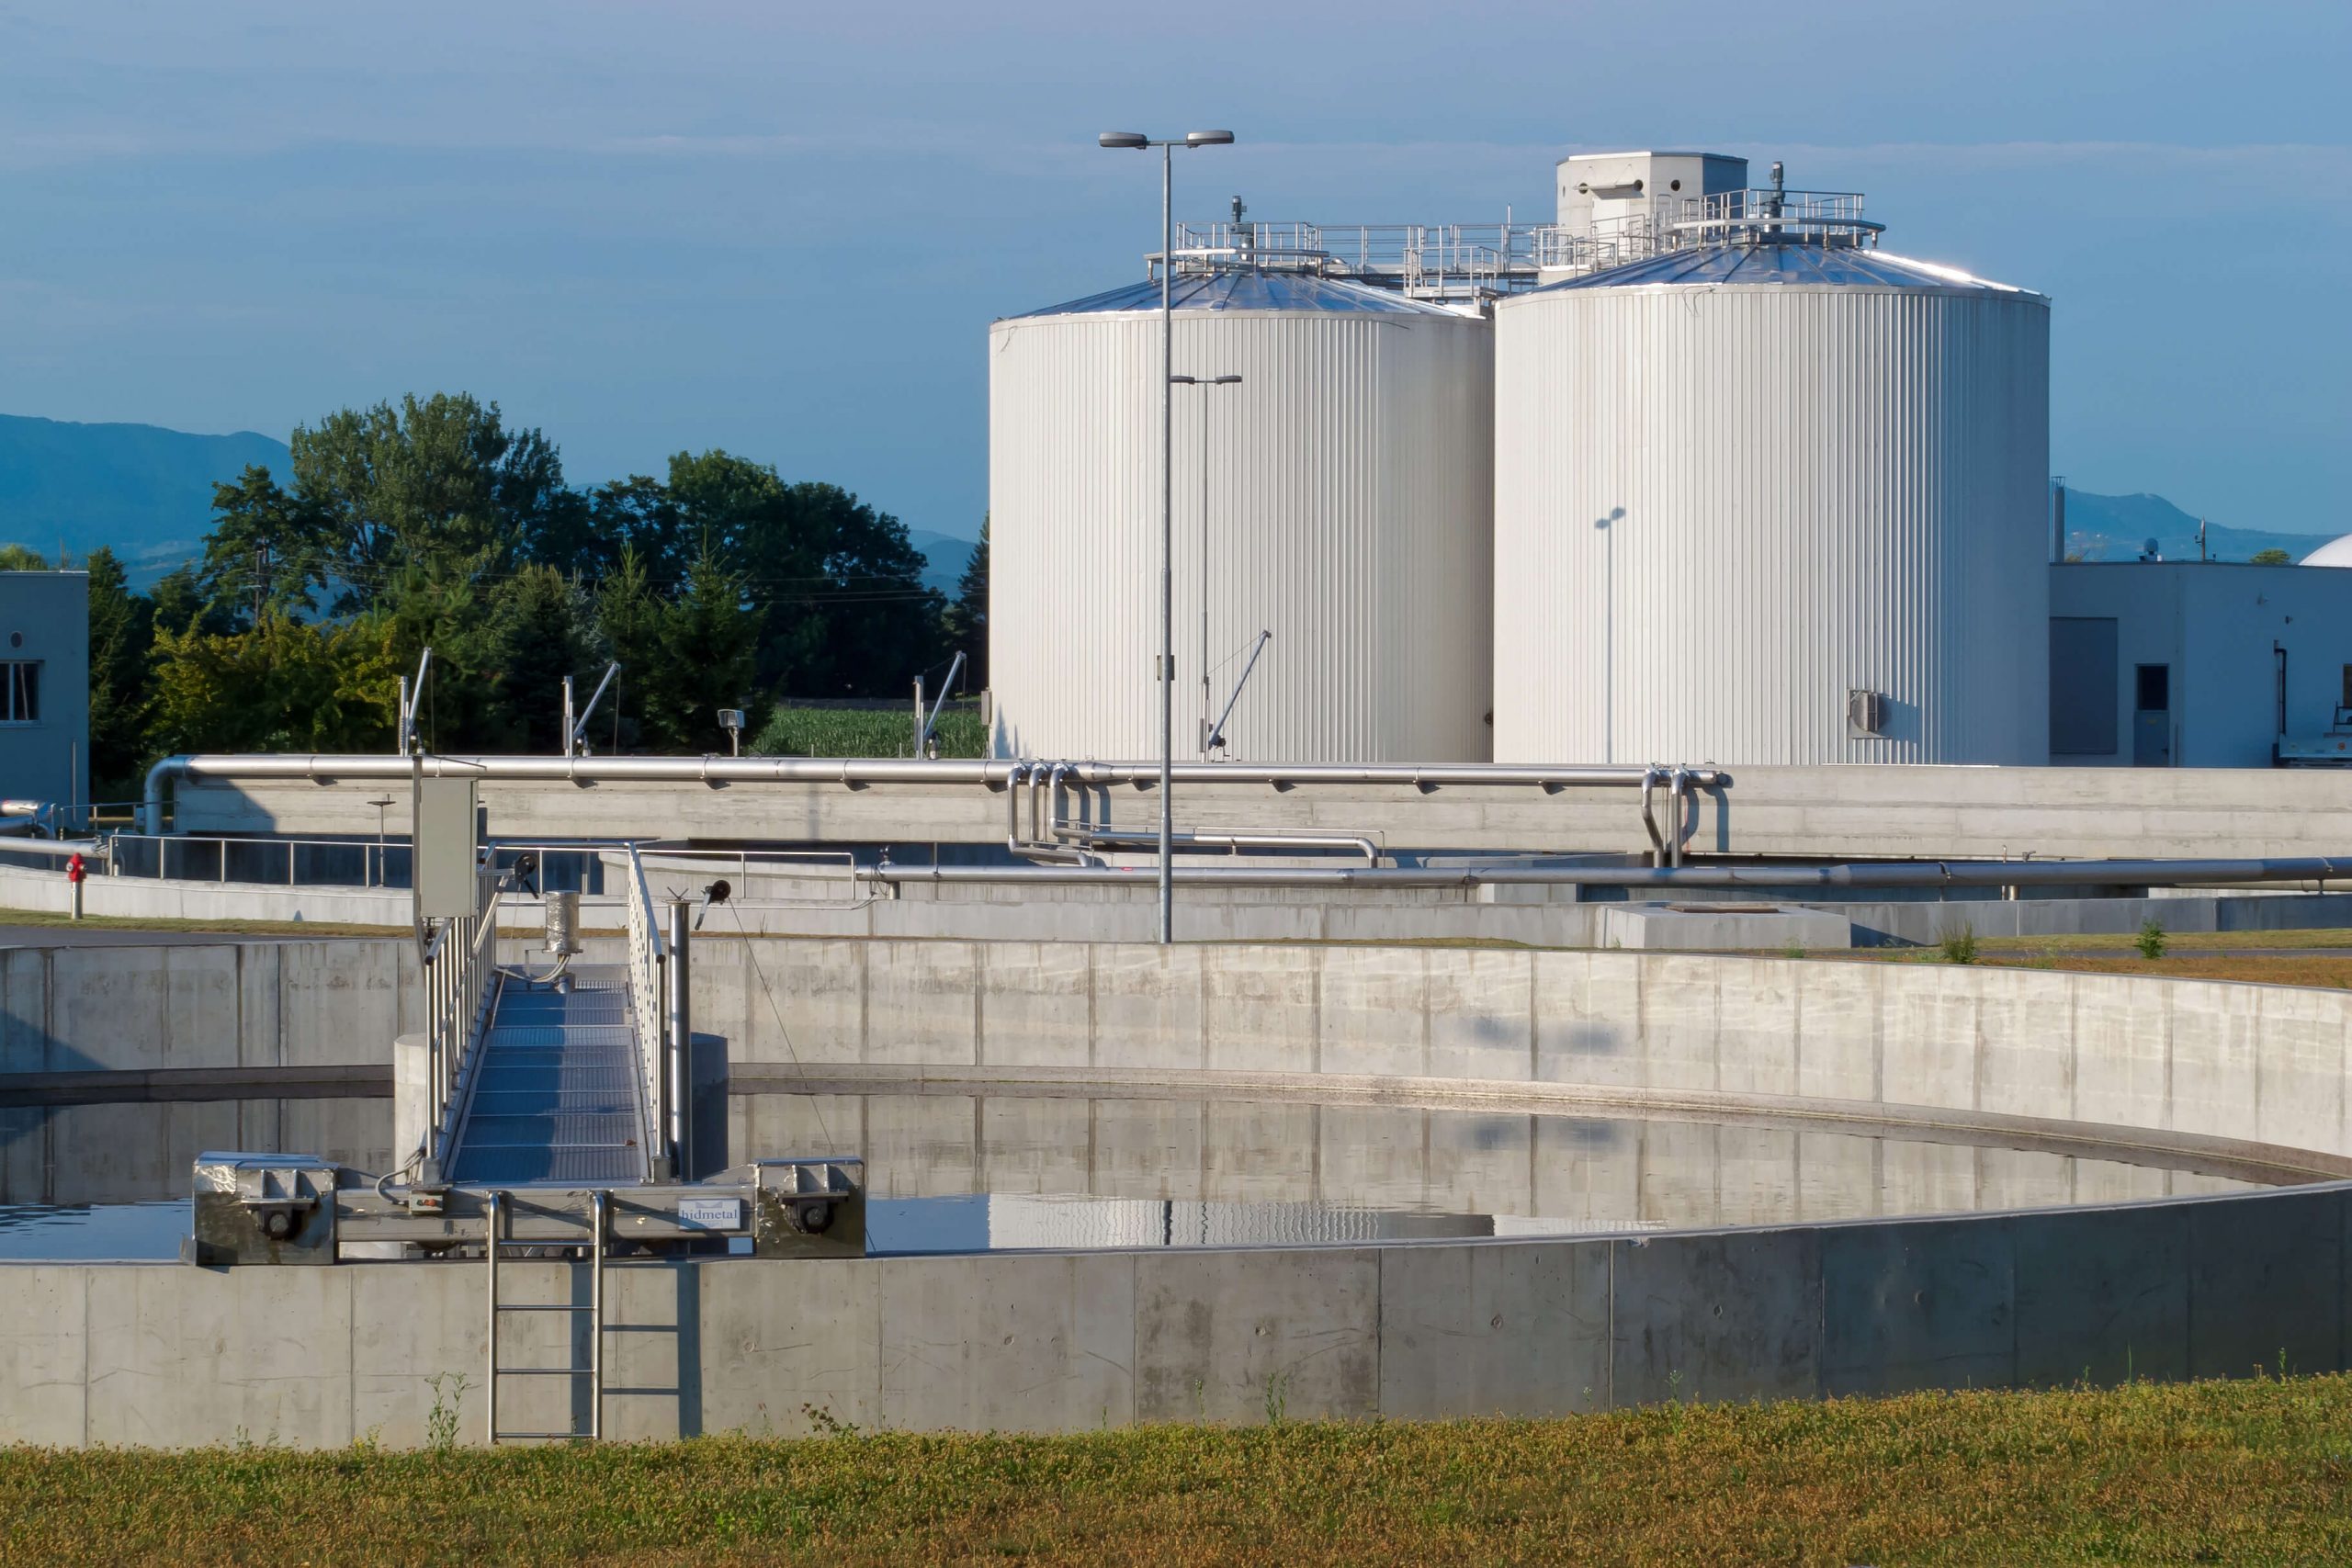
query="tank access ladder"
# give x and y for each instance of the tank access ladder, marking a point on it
(495, 1239)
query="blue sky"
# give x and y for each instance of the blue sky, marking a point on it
(782, 228)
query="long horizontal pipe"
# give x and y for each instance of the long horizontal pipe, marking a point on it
(991, 773)
(1099, 837)
(1924, 874)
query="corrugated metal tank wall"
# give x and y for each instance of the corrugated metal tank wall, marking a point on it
(1349, 507)
(1719, 509)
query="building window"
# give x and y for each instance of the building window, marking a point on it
(2156, 688)
(21, 691)
(2347, 686)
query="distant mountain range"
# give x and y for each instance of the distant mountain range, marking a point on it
(2118, 527)
(147, 493)
(142, 490)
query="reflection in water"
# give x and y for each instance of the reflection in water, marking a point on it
(134, 1153)
(953, 1173)
(100, 1232)
(1531, 1174)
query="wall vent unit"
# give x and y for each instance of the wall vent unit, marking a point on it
(1865, 714)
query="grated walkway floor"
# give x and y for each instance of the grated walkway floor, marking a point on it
(557, 1099)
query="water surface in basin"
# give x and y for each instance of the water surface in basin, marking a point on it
(961, 1173)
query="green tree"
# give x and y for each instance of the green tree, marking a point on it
(281, 686)
(710, 637)
(966, 622)
(541, 633)
(181, 605)
(638, 514)
(629, 619)
(431, 482)
(266, 552)
(19, 558)
(848, 613)
(122, 639)
(447, 602)
(2271, 557)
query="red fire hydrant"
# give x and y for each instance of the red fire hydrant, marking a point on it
(76, 873)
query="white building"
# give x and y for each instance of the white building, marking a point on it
(45, 686)
(2194, 664)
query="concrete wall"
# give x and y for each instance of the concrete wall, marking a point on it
(1844, 810)
(2262, 1063)
(1530, 916)
(320, 1357)
(149, 898)
(252, 1004)
(2180, 1287)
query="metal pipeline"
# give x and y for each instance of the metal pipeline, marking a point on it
(990, 773)
(1101, 837)
(1868, 875)
(1013, 807)
(1037, 776)
(38, 817)
(1064, 829)
(1678, 788)
(1650, 777)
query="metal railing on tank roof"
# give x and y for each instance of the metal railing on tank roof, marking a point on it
(1481, 261)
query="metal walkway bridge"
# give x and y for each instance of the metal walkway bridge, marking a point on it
(575, 1078)
(555, 1091)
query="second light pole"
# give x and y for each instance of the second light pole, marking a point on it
(1137, 142)
(1205, 383)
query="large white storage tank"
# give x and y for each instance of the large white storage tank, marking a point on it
(1778, 502)
(1349, 512)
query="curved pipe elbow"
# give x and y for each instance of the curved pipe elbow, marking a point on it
(152, 796)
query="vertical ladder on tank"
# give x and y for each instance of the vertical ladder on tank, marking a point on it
(494, 1218)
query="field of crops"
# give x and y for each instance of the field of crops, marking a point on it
(864, 732)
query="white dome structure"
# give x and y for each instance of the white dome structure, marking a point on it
(2336, 552)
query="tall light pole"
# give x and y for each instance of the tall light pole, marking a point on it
(1137, 142)
(1205, 383)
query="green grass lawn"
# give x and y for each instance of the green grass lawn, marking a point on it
(2248, 1472)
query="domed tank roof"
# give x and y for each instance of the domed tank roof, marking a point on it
(1246, 290)
(1788, 264)
(2336, 552)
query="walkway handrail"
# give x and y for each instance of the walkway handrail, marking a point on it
(460, 965)
(649, 1010)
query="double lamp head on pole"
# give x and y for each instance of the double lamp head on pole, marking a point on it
(1135, 141)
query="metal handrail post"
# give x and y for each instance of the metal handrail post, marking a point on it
(489, 1247)
(597, 1206)
(678, 1128)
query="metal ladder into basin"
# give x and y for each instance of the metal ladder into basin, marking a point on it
(599, 1208)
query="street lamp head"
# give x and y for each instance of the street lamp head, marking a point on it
(1130, 139)
(1225, 380)
(1208, 139)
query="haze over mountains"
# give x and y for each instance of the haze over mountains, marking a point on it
(147, 492)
